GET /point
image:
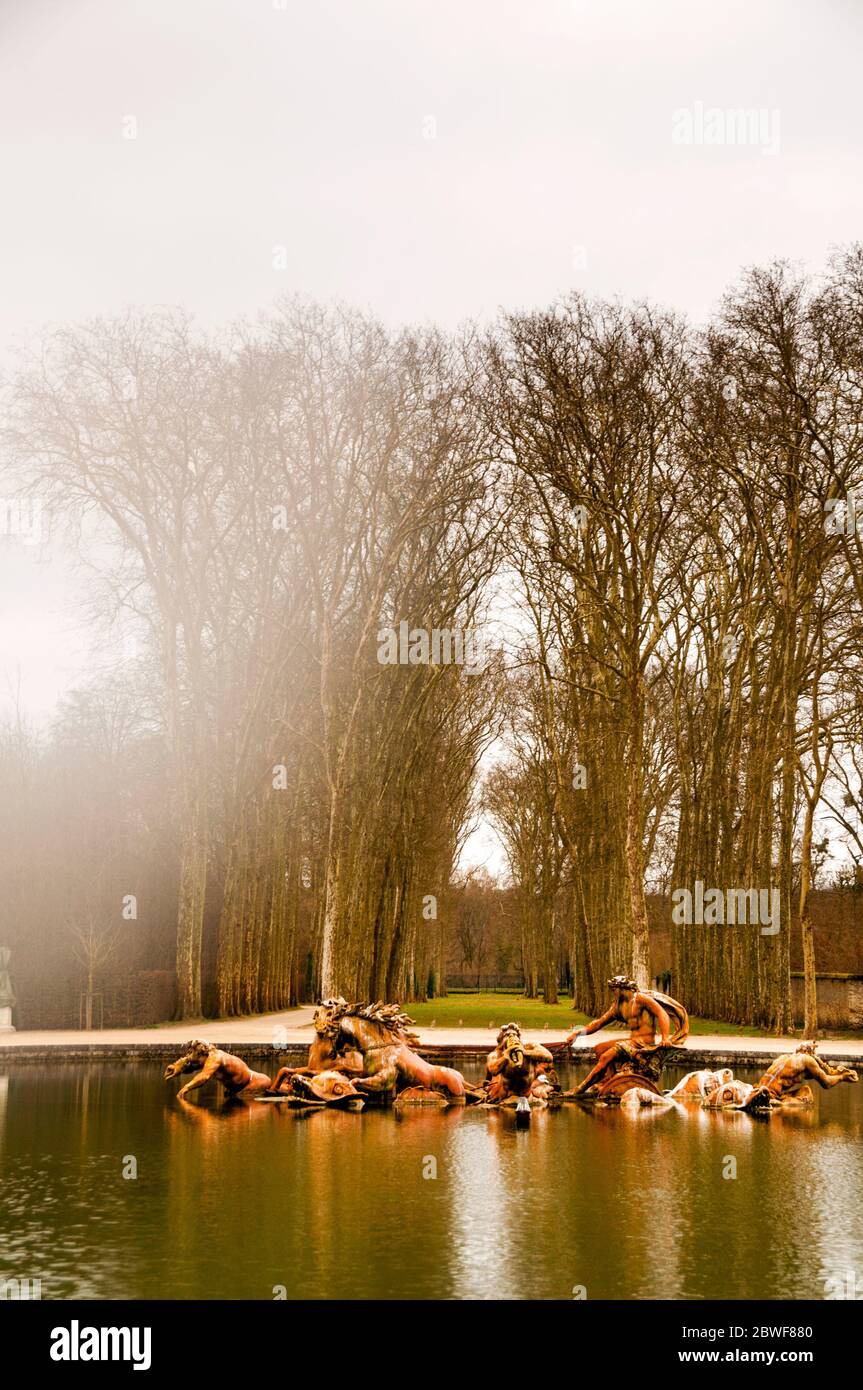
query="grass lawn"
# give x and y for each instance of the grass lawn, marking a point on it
(482, 1010)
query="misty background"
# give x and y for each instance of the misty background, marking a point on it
(425, 161)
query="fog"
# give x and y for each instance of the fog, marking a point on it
(428, 161)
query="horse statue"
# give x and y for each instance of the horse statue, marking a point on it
(392, 1067)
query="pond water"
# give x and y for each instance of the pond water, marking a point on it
(234, 1202)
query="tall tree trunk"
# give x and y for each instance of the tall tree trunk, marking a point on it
(190, 910)
(634, 847)
(810, 995)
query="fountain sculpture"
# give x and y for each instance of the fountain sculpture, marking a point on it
(638, 1060)
(369, 1051)
(210, 1063)
(516, 1069)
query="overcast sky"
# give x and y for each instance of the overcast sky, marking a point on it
(426, 159)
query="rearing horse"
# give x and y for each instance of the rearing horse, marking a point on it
(382, 1033)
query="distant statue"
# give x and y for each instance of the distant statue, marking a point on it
(516, 1068)
(786, 1080)
(211, 1064)
(7, 994)
(381, 1034)
(638, 1060)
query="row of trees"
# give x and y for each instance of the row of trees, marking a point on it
(689, 559)
(257, 509)
(677, 698)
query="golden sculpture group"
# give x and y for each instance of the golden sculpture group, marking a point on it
(369, 1051)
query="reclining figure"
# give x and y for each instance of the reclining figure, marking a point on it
(638, 1096)
(235, 1075)
(730, 1095)
(323, 1088)
(697, 1085)
(786, 1080)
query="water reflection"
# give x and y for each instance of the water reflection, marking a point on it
(241, 1200)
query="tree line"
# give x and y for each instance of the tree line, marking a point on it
(296, 528)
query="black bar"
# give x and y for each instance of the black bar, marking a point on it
(248, 1338)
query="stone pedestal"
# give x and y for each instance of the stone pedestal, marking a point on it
(7, 996)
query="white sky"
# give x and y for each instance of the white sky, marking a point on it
(552, 166)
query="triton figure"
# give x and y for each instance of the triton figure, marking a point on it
(516, 1068)
(787, 1078)
(235, 1074)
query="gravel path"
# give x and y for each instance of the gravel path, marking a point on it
(295, 1026)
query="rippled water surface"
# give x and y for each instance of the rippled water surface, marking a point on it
(233, 1202)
